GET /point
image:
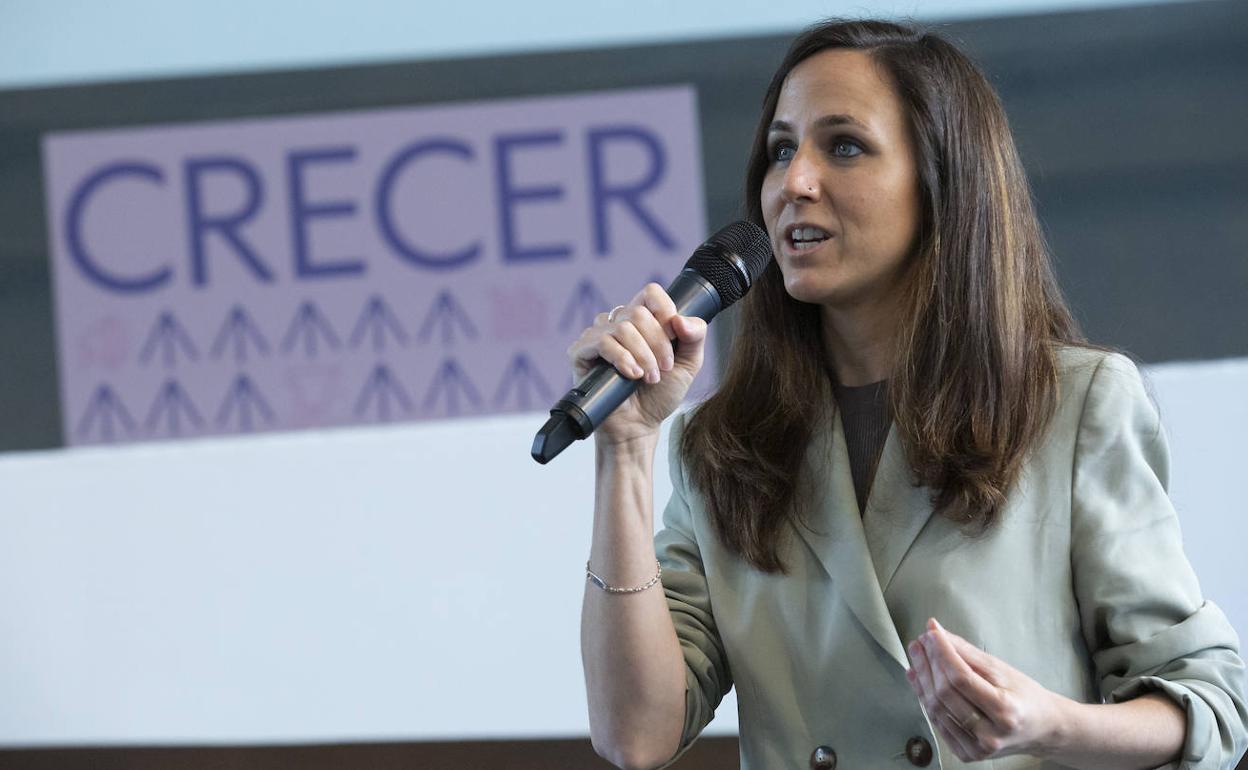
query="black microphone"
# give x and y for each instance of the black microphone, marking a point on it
(718, 274)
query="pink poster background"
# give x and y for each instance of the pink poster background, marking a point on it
(302, 312)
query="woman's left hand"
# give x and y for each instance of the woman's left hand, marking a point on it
(982, 706)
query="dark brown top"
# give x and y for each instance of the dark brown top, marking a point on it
(865, 416)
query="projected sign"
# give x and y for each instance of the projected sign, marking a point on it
(355, 268)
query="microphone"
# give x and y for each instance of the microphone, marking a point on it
(718, 274)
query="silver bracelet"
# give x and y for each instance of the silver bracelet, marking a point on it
(589, 574)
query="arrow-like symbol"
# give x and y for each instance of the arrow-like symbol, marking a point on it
(171, 404)
(241, 401)
(104, 411)
(448, 384)
(382, 387)
(446, 315)
(168, 336)
(238, 333)
(522, 379)
(376, 321)
(586, 302)
(309, 325)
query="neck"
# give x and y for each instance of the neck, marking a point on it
(859, 342)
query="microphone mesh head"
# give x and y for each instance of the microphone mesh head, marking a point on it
(732, 259)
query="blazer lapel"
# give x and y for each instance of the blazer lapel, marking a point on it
(833, 529)
(897, 510)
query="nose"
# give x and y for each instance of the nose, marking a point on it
(801, 178)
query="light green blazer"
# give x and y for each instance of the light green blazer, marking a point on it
(1083, 585)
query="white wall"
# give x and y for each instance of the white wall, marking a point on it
(48, 42)
(1204, 411)
(406, 582)
(418, 582)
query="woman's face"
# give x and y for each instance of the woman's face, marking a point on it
(841, 195)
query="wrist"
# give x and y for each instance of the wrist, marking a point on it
(640, 447)
(1068, 716)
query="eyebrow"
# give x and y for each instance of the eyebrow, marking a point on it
(823, 122)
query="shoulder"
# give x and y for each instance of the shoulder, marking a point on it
(1075, 362)
(1107, 403)
(1118, 421)
(1094, 378)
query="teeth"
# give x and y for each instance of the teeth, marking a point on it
(809, 234)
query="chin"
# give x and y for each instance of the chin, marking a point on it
(809, 291)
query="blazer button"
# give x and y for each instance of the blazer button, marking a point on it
(823, 758)
(919, 752)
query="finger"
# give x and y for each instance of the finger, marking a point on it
(921, 678)
(630, 337)
(584, 351)
(962, 719)
(690, 340)
(611, 351)
(955, 736)
(657, 301)
(922, 674)
(656, 337)
(958, 708)
(991, 668)
(916, 684)
(959, 675)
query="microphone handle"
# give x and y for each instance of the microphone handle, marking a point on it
(603, 389)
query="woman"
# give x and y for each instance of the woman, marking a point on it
(999, 574)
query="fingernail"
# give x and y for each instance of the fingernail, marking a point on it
(667, 363)
(652, 376)
(637, 371)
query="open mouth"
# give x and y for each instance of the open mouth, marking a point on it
(806, 238)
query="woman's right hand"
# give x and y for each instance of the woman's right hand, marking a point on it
(638, 342)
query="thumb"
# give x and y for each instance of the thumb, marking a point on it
(690, 338)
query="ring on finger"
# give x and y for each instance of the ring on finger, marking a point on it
(611, 315)
(954, 718)
(971, 721)
(968, 724)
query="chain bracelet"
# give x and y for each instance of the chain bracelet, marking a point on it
(589, 575)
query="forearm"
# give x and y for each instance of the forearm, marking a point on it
(634, 669)
(1144, 732)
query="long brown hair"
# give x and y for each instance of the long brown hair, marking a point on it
(974, 379)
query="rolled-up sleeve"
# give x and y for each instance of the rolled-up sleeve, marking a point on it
(707, 677)
(1143, 617)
